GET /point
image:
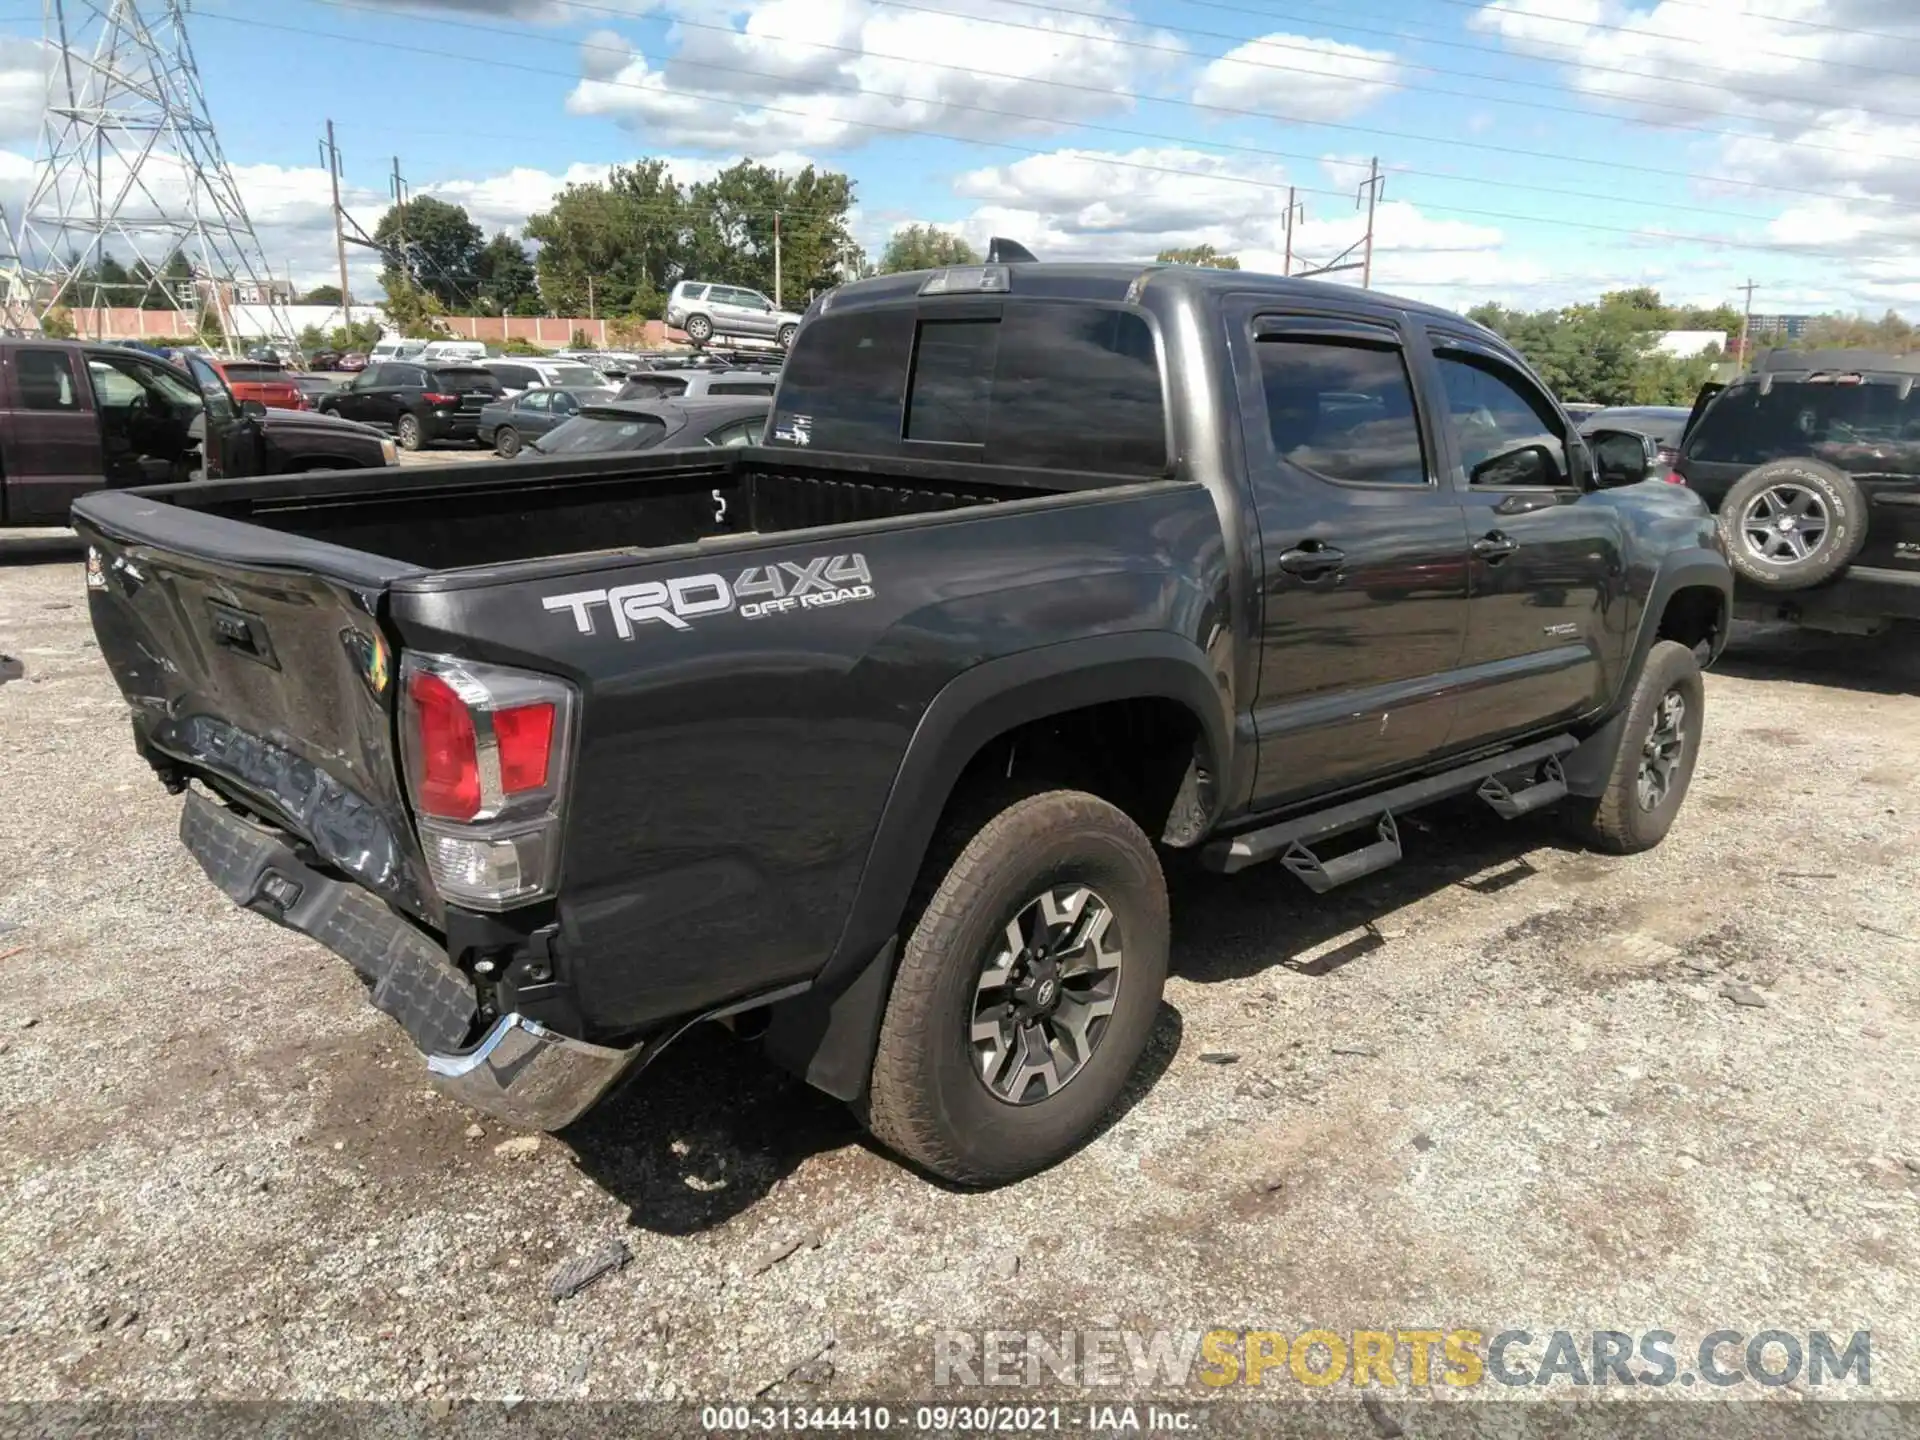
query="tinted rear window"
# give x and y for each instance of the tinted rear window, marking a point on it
(1049, 386)
(1824, 421)
(652, 387)
(255, 374)
(741, 387)
(521, 377)
(592, 434)
(466, 379)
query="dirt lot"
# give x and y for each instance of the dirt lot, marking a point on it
(1507, 1085)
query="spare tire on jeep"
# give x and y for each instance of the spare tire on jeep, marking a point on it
(1791, 524)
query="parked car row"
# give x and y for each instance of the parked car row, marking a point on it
(562, 422)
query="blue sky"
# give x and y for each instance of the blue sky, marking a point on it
(1536, 151)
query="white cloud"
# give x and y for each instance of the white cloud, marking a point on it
(770, 84)
(1269, 74)
(539, 12)
(1130, 205)
(23, 87)
(1821, 106)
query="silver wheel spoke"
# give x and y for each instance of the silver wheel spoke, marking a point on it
(1044, 994)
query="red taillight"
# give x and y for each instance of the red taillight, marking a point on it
(525, 737)
(434, 397)
(448, 783)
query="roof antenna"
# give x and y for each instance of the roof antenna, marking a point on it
(1002, 251)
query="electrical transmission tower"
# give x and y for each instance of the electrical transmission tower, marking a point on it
(17, 313)
(130, 175)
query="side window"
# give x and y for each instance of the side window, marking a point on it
(1342, 410)
(743, 387)
(376, 377)
(213, 389)
(1504, 428)
(534, 400)
(113, 388)
(45, 378)
(741, 432)
(409, 377)
(695, 292)
(564, 404)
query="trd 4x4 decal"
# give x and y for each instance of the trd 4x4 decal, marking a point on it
(757, 591)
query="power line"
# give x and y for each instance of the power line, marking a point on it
(1669, 36)
(1304, 47)
(1308, 48)
(1715, 242)
(1236, 111)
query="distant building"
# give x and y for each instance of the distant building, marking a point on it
(1685, 344)
(1779, 327)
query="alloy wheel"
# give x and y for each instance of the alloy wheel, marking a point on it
(1784, 523)
(1045, 994)
(1662, 751)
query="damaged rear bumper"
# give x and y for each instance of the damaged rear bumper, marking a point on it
(519, 1072)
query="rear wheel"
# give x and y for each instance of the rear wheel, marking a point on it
(407, 432)
(699, 329)
(506, 442)
(1026, 993)
(785, 337)
(1659, 741)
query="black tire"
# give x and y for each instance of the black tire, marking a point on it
(506, 442)
(699, 329)
(406, 430)
(1619, 820)
(785, 338)
(1763, 534)
(928, 1100)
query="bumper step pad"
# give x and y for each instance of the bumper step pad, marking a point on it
(411, 978)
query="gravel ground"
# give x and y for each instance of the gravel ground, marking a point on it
(1505, 1085)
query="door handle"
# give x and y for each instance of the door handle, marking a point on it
(1494, 547)
(1312, 560)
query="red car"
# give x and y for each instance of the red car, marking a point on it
(254, 380)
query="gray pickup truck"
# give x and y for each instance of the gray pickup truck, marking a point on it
(871, 737)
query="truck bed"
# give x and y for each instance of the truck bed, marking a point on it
(460, 515)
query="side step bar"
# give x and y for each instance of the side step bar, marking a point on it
(1494, 777)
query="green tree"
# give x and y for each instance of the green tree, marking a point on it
(322, 295)
(361, 335)
(1604, 351)
(923, 247)
(57, 324)
(730, 235)
(439, 246)
(506, 276)
(613, 248)
(161, 289)
(412, 308)
(1202, 255)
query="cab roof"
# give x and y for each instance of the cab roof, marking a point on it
(1110, 283)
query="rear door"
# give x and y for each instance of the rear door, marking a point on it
(1363, 551)
(475, 388)
(53, 435)
(532, 414)
(1546, 630)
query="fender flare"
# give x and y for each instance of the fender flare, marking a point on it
(1587, 768)
(829, 1033)
(1694, 568)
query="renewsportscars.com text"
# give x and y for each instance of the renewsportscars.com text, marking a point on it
(1458, 1357)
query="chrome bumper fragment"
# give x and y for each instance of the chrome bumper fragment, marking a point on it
(527, 1075)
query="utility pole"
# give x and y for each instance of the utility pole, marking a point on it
(1746, 322)
(1293, 207)
(1371, 188)
(776, 259)
(330, 153)
(590, 314)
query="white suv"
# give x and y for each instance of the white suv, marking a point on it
(704, 311)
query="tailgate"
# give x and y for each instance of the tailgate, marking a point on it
(255, 661)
